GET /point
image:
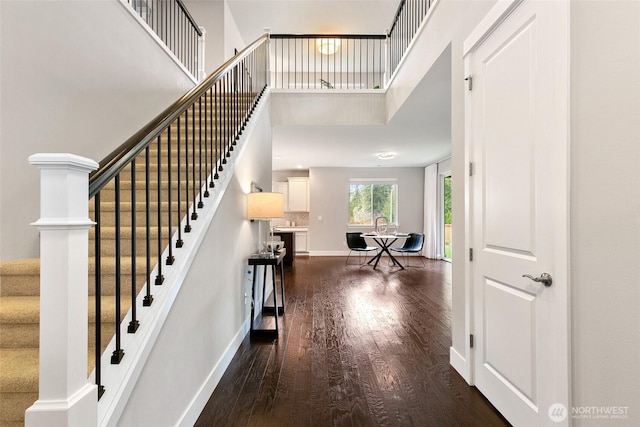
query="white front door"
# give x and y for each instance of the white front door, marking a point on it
(518, 143)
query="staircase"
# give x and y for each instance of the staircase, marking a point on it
(20, 280)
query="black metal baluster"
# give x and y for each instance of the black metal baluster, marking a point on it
(159, 276)
(133, 323)
(226, 119)
(187, 227)
(179, 241)
(218, 109)
(274, 42)
(200, 203)
(166, 23)
(148, 298)
(206, 145)
(238, 100)
(170, 258)
(360, 62)
(213, 169)
(181, 41)
(194, 214)
(241, 104)
(308, 62)
(230, 135)
(234, 111)
(367, 67)
(335, 81)
(98, 295)
(118, 353)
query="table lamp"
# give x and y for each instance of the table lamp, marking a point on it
(265, 206)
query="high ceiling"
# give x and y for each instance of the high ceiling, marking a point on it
(312, 16)
(419, 133)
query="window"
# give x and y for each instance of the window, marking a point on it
(446, 205)
(369, 200)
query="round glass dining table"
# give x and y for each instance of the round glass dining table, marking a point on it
(385, 241)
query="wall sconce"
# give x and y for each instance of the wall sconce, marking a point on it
(327, 46)
(265, 206)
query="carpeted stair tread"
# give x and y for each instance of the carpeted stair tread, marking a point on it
(19, 371)
(26, 310)
(20, 309)
(20, 280)
(19, 267)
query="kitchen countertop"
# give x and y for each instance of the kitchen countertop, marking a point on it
(296, 228)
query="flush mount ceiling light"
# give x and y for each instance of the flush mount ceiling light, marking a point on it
(386, 156)
(328, 46)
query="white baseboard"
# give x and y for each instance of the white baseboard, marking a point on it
(328, 253)
(202, 397)
(460, 364)
(346, 253)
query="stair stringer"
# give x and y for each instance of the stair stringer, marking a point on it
(120, 380)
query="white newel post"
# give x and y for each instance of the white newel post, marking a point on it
(66, 397)
(201, 45)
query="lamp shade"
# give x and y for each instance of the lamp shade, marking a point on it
(265, 205)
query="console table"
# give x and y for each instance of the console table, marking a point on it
(274, 261)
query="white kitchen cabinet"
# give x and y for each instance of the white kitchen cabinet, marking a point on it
(298, 194)
(301, 241)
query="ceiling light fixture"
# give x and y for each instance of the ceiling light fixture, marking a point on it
(386, 156)
(328, 46)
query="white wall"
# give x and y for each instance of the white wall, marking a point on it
(233, 39)
(327, 108)
(605, 207)
(222, 32)
(330, 199)
(210, 310)
(210, 15)
(77, 77)
(438, 34)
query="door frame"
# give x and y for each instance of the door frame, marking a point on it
(487, 25)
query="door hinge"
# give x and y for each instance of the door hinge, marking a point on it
(471, 340)
(469, 79)
(470, 254)
(470, 169)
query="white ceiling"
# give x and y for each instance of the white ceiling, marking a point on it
(419, 133)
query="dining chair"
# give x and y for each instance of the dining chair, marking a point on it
(412, 245)
(357, 243)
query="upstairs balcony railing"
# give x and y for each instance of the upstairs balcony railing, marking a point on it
(404, 27)
(321, 61)
(345, 61)
(174, 25)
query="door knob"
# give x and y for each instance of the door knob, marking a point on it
(545, 278)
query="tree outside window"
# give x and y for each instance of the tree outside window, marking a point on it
(369, 201)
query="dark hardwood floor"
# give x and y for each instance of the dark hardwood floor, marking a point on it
(358, 348)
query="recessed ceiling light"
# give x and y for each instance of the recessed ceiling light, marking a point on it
(386, 156)
(277, 158)
(299, 166)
